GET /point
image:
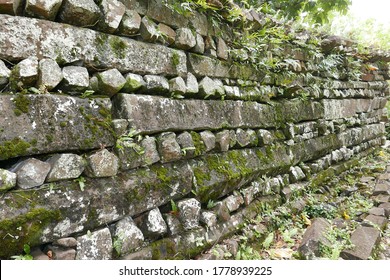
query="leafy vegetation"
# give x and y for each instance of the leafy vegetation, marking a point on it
(26, 255)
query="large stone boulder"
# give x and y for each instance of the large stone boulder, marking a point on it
(95, 245)
(31, 173)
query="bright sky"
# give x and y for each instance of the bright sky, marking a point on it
(378, 9)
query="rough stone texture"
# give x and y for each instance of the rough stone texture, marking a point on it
(222, 49)
(144, 254)
(381, 189)
(22, 37)
(7, 180)
(150, 114)
(148, 30)
(168, 34)
(222, 140)
(168, 147)
(64, 254)
(377, 211)
(130, 23)
(96, 245)
(242, 137)
(207, 87)
(161, 13)
(184, 39)
(152, 224)
(233, 202)
(386, 207)
(75, 79)
(199, 46)
(38, 255)
(31, 173)
(373, 220)
(113, 12)
(364, 239)
(80, 13)
(336, 109)
(208, 139)
(134, 154)
(65, 166)
(313, 238)
(156, 84)
(221, 211)
(296, 174)
(4, 74)
(54, 214)
(128, 235)
(120, 126)
(186, 144)
(192, 84)
(51, 123)
(110, 82)
(141, 6)
(208, 218)
(102, 164)
(133, 82)
(46, 9)
(67, 242)
(177, 86)
(173, 223)
(49, 74)
(24, 74)
(189, 213)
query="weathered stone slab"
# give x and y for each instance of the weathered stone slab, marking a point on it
(129, 237)
(31, 173)
(95, 246)
(67, 242)
(113, 12)
(364, 239)
(313, 238)
(206, 66)
(47, 123)
(81, 13)
(141, 6)
(23, 37)
(161, 13)
(375, 221)
(102, 164)
(152, 224)
(65, 166)
(130, 23)
(45, 215)
(189, 213)
(358, 135)
(151, 114)
(49, 74)
(46, 9)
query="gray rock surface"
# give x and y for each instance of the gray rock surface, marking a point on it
(242, 137)
(168, 147)
(234, 201)
(184, 40)
(4, 74)
(173, 223)
(156, 84)
(128, 237)
(199, 46)
(113, 12)
(102, 164)
(49, 74)
(24, 74)
(208, 87)
(133, 82)
(313, 238)
(168, 34)
(65, 166)
(95, 245)
(141, 6)
(177, 86)
(64, 254)
(222, 140)
(186, 144)
(208, 139)
(46, 9)
(222, 49)
(192, 84)
(130, 24)
(148, 30)
(80, 13)
(110, 82)
(208, 218)
(66, 242)
(75, 80)
(31, 173)
(7, 180)
(189, 213)
(152, 224)
(364, 239)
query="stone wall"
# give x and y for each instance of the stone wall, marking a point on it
(128, 130)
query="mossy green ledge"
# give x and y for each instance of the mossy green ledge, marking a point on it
(30, 124)
(62, 209)
(21, 37)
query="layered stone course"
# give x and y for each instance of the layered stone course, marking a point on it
(129, 131)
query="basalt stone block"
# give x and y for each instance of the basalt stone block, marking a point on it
(66, 242)
(156, 84)
(234, 201)
(80, 13)
(21, 37)
(221, 211)
(4, 74)
(31, 173)
(222, 49)
(184, 39)
(7, 180)
(168, 147)
(148, 30)
(199, 45)
(65, 166)
(49, 74)
(189, 213)
(161, 13)
(192, 84)
(208, 139)
(128, 236)
(45, 9)
(168, 34)
(313, 238)
(24, 74)
(152, 224)
(130, 24)
(173, 223)
(186, 144)
(141, 6)
(110, 82)
(134, 82)
(242, 137)
(47, 123)
(96, 245)
(113, 12)
(365, 240)
(64, 254)
(375, 221)
(222, 140)
(177, 86)
(102, 164)
(75, 79)
(208, 218)
(208, 87)
(12, 7)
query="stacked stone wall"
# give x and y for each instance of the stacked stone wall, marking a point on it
(128, 130)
